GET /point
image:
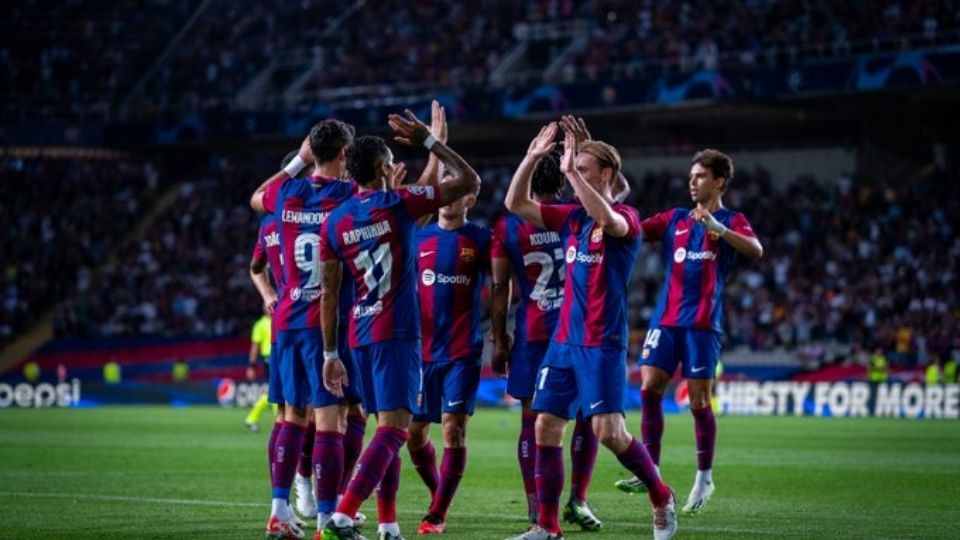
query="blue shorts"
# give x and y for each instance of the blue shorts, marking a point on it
(274, 383)
(697, 350)
(299, 354)
(389, 375)
(449, 387)
(525, 360)
(591, 379)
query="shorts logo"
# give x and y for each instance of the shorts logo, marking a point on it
(467, 254)
(428, 278)
(596, 235)
(571, 254)
(645, 354)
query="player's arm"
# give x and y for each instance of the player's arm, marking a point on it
(518, 199)
(499, 307)
(304, 158)
(463, 180)
(612, 222)
(261, 281)
(334, 372)
(746, 245)
(438, 128)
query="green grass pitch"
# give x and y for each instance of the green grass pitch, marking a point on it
(191, 473)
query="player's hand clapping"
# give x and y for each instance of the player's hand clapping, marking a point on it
(543, 143)
(577, 127)
(438, 122)
(409, 130)
(569, 154)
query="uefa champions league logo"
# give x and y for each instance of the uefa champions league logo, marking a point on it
(295, 293)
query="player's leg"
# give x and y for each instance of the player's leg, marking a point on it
(699, 369)
(352, 447)
(555, 402)
(302, 482)
(296, 394)
(658, 361)
(423, 456)
(521, 382)
(583, 456)
(422, 453)
(327, 458)
(392, 383)
(461, 380)
(601, 380)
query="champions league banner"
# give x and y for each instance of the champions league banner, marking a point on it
(843, 399)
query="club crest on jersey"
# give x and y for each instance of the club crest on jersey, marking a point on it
(596, 235)
(467, 254)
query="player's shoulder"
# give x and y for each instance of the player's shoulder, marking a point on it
(267, 220)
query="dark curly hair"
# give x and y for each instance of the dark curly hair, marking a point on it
(328, 137)
(547, 179)
(364, 156)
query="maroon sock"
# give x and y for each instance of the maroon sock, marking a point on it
(549, 486)
(352, 446)
(583, 455)
(289, 441)
(387, 492)
(636, 459)
(272, 447)
(451, 471)
(328, 467)
(305, 467)
(651, 423)
(374, 462)
(425, 462)
(527, 456)
(705, 427)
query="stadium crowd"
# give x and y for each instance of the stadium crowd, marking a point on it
(629, 37)
(65, 217)
(89, 62)
(72, 58)
(865, 278)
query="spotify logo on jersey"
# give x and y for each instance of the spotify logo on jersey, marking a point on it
(428, 278)
(571, 254)
(679, 255)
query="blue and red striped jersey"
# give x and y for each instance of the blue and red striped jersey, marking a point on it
(536, 256)
(697, 265)
(374, 234)
(268, 247)
(301, 206)
(598, 270)
(453, 266)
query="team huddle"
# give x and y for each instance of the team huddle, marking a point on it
(375, 310)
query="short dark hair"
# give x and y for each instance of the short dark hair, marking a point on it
(328, 138)
(547, 179)
(363, 156)
(719, 164)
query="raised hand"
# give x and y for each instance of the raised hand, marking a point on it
(409, 130)
(576, 126)
(569, 153)
(397, 176)
(438, 122)
(304, 152)
(543, 143)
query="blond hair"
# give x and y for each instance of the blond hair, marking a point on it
(607, 156)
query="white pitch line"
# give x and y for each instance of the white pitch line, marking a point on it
(264, 505)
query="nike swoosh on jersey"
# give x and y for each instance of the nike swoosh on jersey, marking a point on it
(426, 253)
(681, 231)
